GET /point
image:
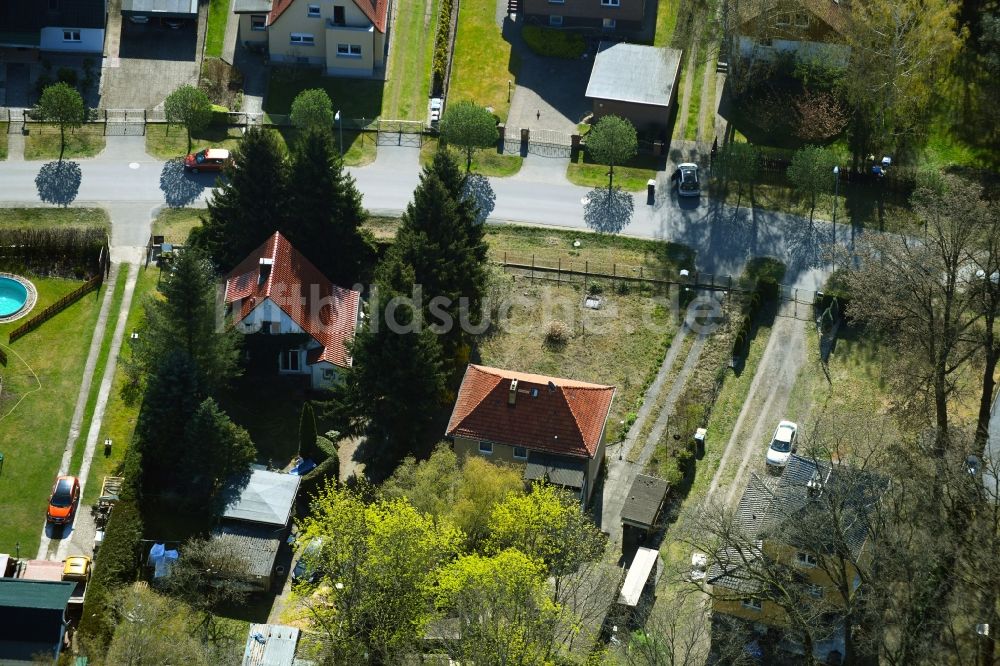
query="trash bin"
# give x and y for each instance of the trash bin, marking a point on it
(699, 441)
(651, 188)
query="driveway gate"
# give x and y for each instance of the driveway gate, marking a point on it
(125, 122)
(400, 133)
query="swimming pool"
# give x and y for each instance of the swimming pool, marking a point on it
(13, 295)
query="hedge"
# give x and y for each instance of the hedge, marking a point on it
(554, 43)
(441, 44)
(60, 252)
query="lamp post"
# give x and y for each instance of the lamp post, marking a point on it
(836, 192)
(509, 84)
(340, 127)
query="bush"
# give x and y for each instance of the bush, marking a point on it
(220, 115)
(73, 253)
(557, 333)
(554, 43)
(441, 42)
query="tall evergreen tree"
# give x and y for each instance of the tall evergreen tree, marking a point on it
(396, 384)
(440, 239)
(326, 226)
(250, 203)
(215, 449)
(186, 318)
(307, 431)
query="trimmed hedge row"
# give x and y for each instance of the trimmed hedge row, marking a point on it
(554, 43)
(74, 252)
(442, 41)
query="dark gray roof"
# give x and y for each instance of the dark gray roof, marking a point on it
(644, 500)
(31, 616)
(267, 498)
(163, 8)
(270, 645)
(251, 6)
(566, 472)
(32, 15)
(256, 546)
(634, 73)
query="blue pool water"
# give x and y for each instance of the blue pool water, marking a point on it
(12, 296)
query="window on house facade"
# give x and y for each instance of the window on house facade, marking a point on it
(313, 11)
(289, 360)
(302, 39)
(486, 448)
(555, 20)
(329, 374)
(752, 604)
(782, 19)
(71, 35)
(805, 559)
(258, 22)
(608, 24)
(557, 2)
(802, 20)
(348, 50)
(611, 3)
(520, 453)
(338, 15)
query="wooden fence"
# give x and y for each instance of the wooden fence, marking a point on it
(57, 307)
(3, 358)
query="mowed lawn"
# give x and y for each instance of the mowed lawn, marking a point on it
(43, 141)
(483, 61)
(40, 387)
(55, 217)
(215, 32)
(408, 85)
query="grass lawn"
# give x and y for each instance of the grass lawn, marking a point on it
(215, 32)
(3, 141)
(355, 98)
(408, 83)
(694, 103)
(56, 217)
(166, 141)
(483, 61)
(42, 143)
(359, 147)
(631, 176)
(119, 417)
(175, 224)
(666, 21)
(486, 161)
(618, 345)
(40, 386)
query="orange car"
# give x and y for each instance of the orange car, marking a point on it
(63, 501)
(210, 159)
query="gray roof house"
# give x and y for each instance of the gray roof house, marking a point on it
(271, 645)
(636, 82)
(32, 618)
(641, 511)
(256, 519)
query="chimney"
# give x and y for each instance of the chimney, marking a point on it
(512, 393)
(265, 270)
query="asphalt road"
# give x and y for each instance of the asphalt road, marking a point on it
(127, 182)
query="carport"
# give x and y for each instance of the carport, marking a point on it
(166, 9)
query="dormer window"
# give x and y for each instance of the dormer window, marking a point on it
(804, 559)
(801, 20)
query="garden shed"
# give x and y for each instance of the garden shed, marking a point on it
(636, 82)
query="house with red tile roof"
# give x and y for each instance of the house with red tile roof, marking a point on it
(344, 37)
(277, 291)
(553, 427)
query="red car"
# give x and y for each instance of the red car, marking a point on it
(63, 501)
(210, 159)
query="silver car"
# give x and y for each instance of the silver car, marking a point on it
(686, 179)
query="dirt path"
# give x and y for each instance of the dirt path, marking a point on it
(765, 403)
(682, 109)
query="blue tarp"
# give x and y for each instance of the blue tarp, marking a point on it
(304, 466)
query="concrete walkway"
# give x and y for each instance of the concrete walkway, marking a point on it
(15, 147)
(81, 400)
(81, 541)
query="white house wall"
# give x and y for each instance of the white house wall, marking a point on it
(268, 311)
(833, 54)
(326, 34)
(91, 40)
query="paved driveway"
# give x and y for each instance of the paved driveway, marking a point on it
(152, 61)
(550, 91)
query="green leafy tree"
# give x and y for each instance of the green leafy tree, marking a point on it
(739, 162)
(396, 383)
(440, 240)
(250, 203)
(468, 126)
(505, 614)
(612, 141)
(313, 110)
(811, 172)
(326, 225)
(214, 450)
(188, 106)
(60, 103)
(187, 318)
(547, 525)
(378, 564)
(900, 55)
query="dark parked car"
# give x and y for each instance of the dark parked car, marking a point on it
(686, 180)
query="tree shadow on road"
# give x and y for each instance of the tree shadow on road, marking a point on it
(181, 188)
(477, 189)
(608, 211)
(59, 182)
